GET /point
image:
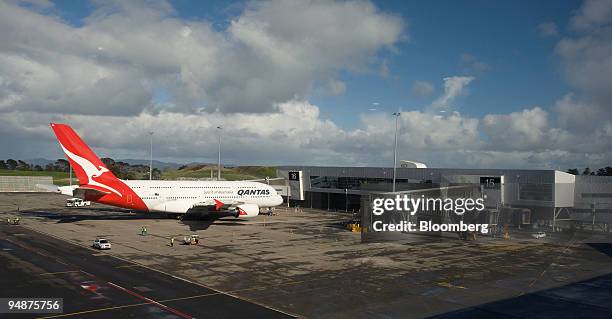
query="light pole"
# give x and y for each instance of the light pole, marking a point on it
(151, 156)
(397, 115)
(346, 200)
(591, 197)
(219, 163)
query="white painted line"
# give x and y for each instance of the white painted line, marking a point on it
(149, 300)
(167, 274)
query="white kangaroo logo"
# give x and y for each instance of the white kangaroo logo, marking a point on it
(90, 169)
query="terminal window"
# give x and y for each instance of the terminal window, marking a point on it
(539, 192)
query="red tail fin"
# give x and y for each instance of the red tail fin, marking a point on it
(92, 173)
(82, 159)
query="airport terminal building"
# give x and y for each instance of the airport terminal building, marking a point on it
(545, 198)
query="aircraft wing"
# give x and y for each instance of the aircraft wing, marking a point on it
(217, 204)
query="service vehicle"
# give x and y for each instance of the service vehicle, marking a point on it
(77, 202)
(191, 240)
(101, 243)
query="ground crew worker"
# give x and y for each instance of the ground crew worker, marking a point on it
(144, 230)
(172, 242)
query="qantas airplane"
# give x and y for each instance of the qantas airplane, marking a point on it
(242, 199)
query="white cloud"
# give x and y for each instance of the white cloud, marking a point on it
(297, 134)
(586, 55)
(586, 60)
(592, 14)
(525, 130)
(126, 51)
(334, 34)
(541, 133)
(580, 115)
(547, 29)
(453, 87)
(423, 88)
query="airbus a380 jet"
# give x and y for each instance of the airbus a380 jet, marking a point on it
(96, 183)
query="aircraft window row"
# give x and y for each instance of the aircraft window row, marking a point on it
(254, 196)
(182, 197)
(160, 187)
(213, 187)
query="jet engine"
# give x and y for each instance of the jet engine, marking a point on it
(246, 211)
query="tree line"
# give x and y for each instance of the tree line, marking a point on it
(121, 169)
(606, 171)
(61, 165)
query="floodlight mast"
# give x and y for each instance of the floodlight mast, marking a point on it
(219, 160)
(151, 156)
(397, 115)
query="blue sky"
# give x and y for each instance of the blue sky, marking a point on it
(522, 68)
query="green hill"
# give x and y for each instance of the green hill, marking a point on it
(230, 174)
